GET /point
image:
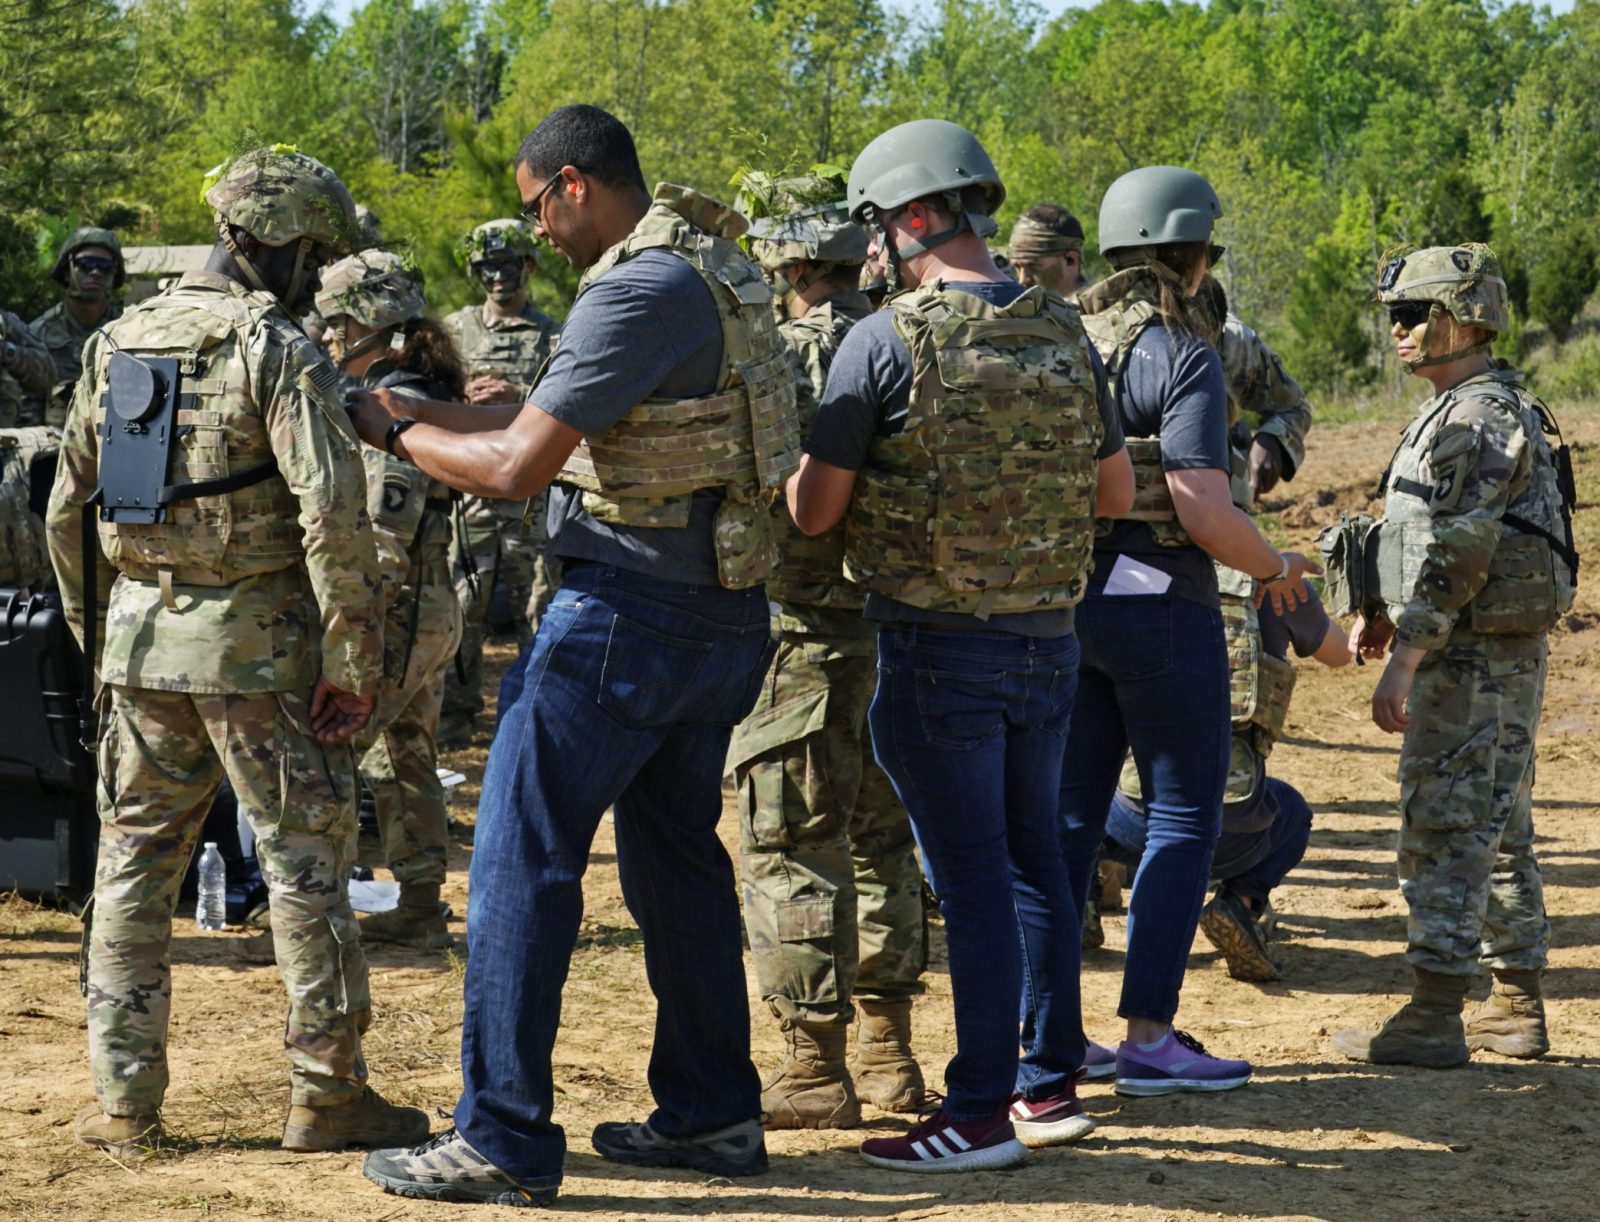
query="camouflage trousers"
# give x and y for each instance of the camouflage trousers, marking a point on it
(162, 758)
(507, 552)
(398, 753)
(1466, 862)
(832, 888)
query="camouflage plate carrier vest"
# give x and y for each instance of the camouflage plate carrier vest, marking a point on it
(984, 502)
(744, 438)
(1116, 312)
(1530, 585)
(811, 569)
(212, 540)
(514, 353)
(24, 555)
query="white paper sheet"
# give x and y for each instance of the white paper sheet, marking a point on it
(1129, 576)
(374, 896)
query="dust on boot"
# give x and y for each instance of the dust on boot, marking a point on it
(886, 1073)
(367, 1122)
(1425, 1031)
(119, 1136)
(1511, 1020)
(418, 920)
(811, 1088)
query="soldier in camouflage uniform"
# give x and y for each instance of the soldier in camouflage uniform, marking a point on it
(1470, 566)
(381, 337)
(26, 372)
(832, 888)
(242, 639)
(24, 559)
(89, 267)
(503, 343)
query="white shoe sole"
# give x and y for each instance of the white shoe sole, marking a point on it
(1147, 1087)
(990, 1158)
(1098, 1073)
(1037, 1133)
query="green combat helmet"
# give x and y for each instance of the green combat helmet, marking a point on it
(88, 236)
(1463, 281)
(1155, 205)
(506, 236)
(922, 158)
(279, 195)
(374, 288)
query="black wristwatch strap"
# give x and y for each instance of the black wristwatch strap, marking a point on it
(393, 432)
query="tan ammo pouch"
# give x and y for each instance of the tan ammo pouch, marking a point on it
(1152, 499)
(1349, 555)
(1520, 598)
(1241, 630)
(1275, 679)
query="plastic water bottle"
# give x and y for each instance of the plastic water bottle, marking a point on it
(211, 909)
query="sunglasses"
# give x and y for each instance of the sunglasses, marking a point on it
(95, 263)
(530, 210)
(1214, 254)
(1410, 314)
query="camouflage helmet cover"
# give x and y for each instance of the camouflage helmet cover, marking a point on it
(278, 195)
(89, 235)
(921, 158)
(506, 236)
(373, 287)
(369, 229)
(1155, 205)
(820, 232)
(1464, 280)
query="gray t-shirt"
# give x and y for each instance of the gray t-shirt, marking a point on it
(648, 327)
(869, 396)
(1173, 388)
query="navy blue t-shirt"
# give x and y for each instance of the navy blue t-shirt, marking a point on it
(868, 396)
(648, 327)
(1173, 388)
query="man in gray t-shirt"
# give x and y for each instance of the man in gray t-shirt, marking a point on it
(627, 696)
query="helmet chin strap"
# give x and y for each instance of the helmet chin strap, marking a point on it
(365, 345)
(1435, 312)
(296, 277)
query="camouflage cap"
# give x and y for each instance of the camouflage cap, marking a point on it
(372, 287)
(278, 195)
(369, 229)
(88, 235)
(506, 236)
(823, 234)
(1465, 280)
(1033, 239)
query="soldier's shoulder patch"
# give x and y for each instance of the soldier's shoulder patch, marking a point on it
(396, 488)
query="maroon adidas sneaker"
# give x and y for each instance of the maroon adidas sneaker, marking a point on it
(1055, 1120)
(941, 1143)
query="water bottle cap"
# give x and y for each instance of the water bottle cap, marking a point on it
(211, 844)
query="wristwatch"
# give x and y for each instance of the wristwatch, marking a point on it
(392, 434)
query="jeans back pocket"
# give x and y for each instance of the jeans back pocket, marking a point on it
(649, 676)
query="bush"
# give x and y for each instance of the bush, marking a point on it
(1563, 280)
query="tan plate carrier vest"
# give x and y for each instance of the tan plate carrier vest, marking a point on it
(744, 438)
(984, 502)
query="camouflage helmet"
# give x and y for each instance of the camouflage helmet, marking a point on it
(89, 235)
(1157, 204)
(278, 195)
(372, 287)
(369, 229)
(1465, 281)
(506, 236)
(921, 158)
(819, 232)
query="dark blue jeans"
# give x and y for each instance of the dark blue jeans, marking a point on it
(970, 727)
(1154, 677)
(630, 691)
(1251, 863)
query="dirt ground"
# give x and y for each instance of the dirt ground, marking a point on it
(1310, 1137)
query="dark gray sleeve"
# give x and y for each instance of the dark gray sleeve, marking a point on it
(1110, 418)
(867, 395)
(626, 338)
(1194, 416)
(1308, 624)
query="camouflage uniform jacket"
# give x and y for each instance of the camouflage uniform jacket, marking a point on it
(811, 570)
(1472, 457)
(1259, 384)
(258, 590)
(24, 558)
(64, 336)
(511, 348)
(23, 385)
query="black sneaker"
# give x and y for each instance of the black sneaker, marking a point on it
(1232, 928)
(739, 1149)
(448, 1169)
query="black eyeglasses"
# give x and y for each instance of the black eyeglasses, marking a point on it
(530, 210)
(1214, 254)
(1410, 314)
(94, 263)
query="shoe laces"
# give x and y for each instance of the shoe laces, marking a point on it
(433, 1143)
(1189, 1042)
(928, 1114)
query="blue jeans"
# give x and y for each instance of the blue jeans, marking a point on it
(630, 692)
(1251, 863)
(1155, 678)
(970, 727)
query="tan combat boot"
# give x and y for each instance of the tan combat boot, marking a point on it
(886, 1073)
(811, 1088)
(1425, 1031)
(367, 1122)
(1113, 878)
(1511, 1021)
(416, 921)
(119, 1136)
